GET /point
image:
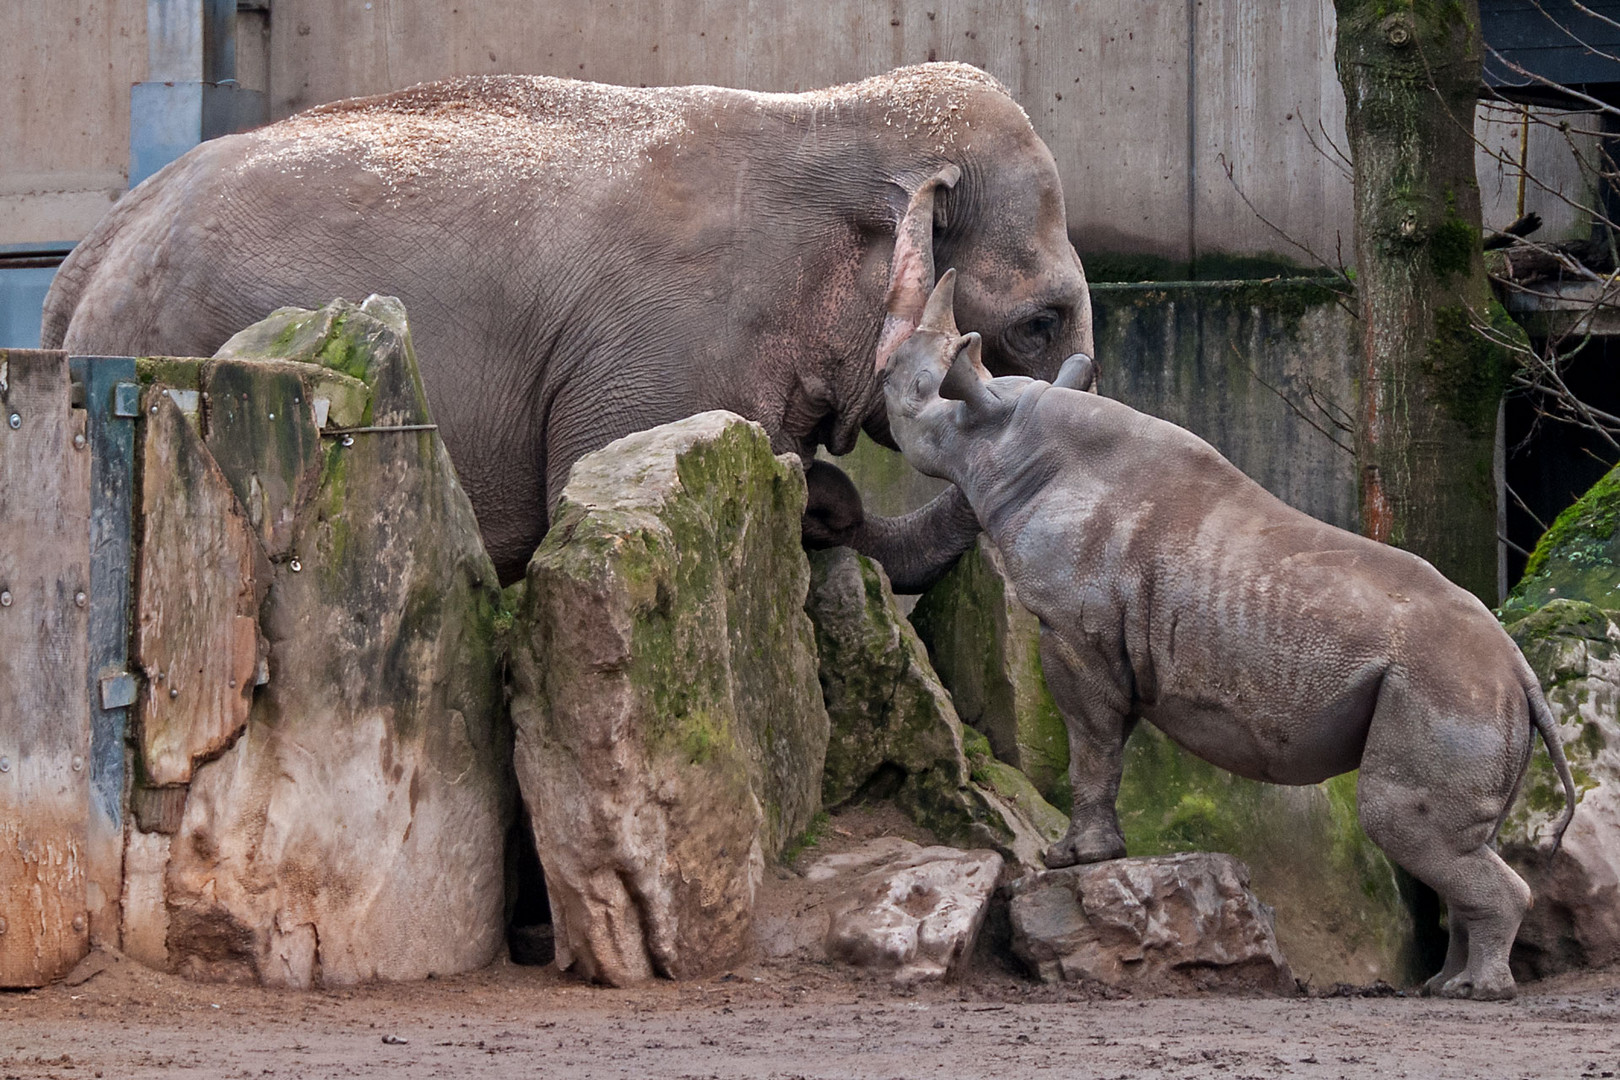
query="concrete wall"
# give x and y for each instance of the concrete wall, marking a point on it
(1555, 159)
(1138, 101)
(1259, 370)
(64, 112)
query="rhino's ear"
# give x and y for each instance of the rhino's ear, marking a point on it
(911, 270)
(967, 380)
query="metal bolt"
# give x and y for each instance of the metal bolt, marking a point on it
(348, 440)
(5, 764)
(272, 416)
(78, 442)
(158, 676)
(2, 925)
(15, 421)
(80, 599)
(296, 566)
(174, 692)
(78, 924)
(233, 684)
(5, 597)
(78, 763)
(152, 410)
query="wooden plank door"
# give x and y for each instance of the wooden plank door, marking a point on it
(44, 649)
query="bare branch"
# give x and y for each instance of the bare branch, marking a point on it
(1286, 400)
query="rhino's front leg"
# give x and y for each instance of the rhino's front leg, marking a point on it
(1098, 721)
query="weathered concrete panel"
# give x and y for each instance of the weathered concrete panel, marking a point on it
(1109, 87)
(1269, 104)
(1260, 371)
(64, 112)
(1556, 183)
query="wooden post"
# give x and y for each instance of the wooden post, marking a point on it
(44, 661)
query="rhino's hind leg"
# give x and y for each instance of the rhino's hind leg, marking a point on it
(1431, 791)
(1098, 725)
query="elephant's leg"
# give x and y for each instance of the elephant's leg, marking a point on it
(1434, 812)
(1096, 716)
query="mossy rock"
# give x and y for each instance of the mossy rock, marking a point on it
(377, 756)
(1578, 558)
(895, 733)
(1574, 649)
(670, 727)
(986, 645)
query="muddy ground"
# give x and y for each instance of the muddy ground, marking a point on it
(782, 1022)
(785, 1018)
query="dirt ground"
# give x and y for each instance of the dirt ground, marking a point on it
(785, 1019)
(785, 1022)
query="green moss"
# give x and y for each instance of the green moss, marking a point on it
(1578, 558)
(182, 373)
(1467, 371)
(807, 839)
(1104, 266)
(1453, 243)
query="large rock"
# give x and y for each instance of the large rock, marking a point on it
(1173, 924)
(1565, 615)
(1574, 648)
(895, 732)
(670, 728)
(986, 647)
(1578, 558)
(352, 826)
(909, 910)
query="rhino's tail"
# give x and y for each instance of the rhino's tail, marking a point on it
(1541, 715)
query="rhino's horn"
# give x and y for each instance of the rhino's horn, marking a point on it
(940, 314)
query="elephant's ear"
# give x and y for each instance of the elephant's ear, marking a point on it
(911, 271)
(967, 380)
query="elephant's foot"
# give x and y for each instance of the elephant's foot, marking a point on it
(1080, 846)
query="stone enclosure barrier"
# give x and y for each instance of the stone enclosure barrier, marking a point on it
(284, 726)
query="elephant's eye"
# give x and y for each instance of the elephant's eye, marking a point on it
(1035, 333)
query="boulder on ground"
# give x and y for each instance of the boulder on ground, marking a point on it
(670, 728)
(895, 732)
(914, 911)
(352, 827)
(1574, 648)
(1172, 924)
(1341, 912)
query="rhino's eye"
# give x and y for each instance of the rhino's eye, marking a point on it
(1036, 333)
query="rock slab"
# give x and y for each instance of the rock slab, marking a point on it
(1171, 924)
(353, 828)
(670, 729)
(913, 911)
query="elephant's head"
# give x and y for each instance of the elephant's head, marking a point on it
(998, 218)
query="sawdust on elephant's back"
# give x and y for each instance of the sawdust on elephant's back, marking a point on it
(496, 131)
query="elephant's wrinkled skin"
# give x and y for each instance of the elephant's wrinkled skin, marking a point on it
(1172, 588)
(581, 261)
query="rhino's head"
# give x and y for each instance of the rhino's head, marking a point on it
(942, 400)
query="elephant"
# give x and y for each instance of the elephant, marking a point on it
(1172, 588)
(580, 261)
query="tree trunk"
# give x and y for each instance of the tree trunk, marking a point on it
(1431, 383)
